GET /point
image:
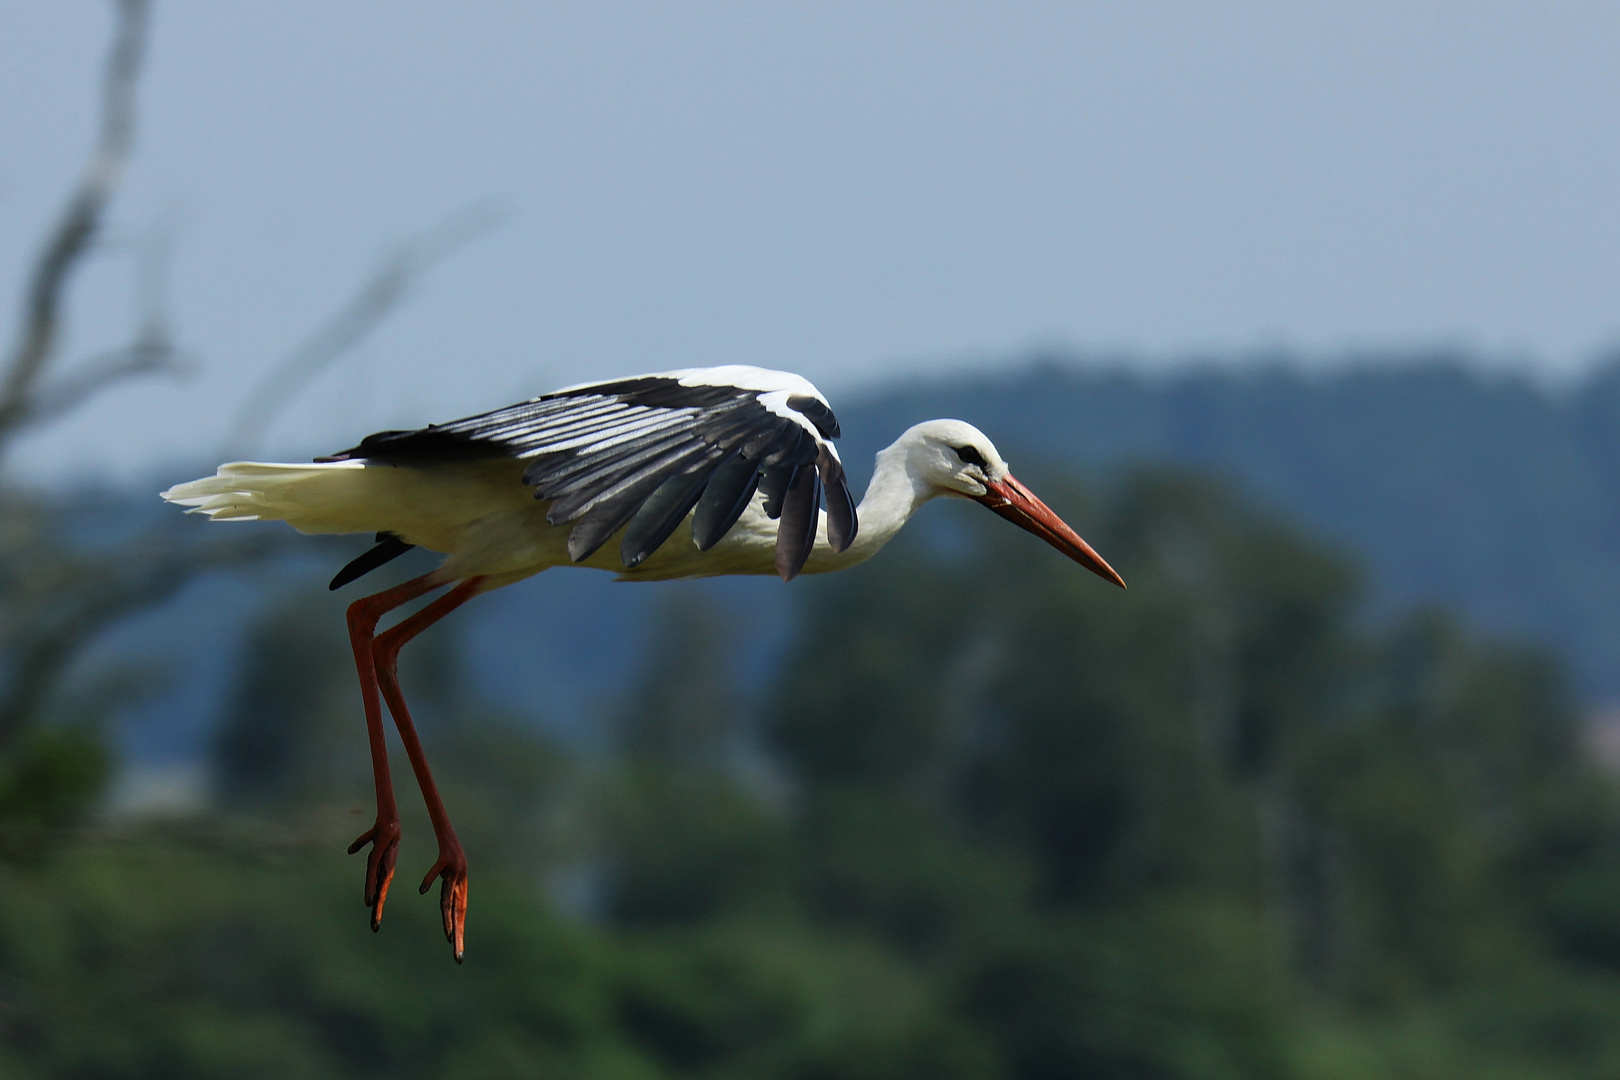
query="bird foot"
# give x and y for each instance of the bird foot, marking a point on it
(452, 870)
(380, 860)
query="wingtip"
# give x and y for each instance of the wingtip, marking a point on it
(839, 540)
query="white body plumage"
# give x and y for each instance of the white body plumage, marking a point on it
(488, 524)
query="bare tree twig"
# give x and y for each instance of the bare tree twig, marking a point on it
(144, 356)
(152, 352)
(390, 281)
(71, 241)
(54, 601)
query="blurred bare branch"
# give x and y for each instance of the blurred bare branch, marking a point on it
(71, 241)
(55, 598)
(390, 281)
(58, 597)
(152, 352)
(144, 356)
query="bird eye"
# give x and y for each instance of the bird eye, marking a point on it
(970, 455)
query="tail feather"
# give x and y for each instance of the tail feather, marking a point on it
(429, 507)
(313, 498)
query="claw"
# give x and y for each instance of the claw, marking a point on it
(380, 860)
(452, 869)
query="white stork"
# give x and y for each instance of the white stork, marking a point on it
(700, 472)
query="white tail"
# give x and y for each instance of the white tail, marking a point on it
(430, 507)
(317, 498)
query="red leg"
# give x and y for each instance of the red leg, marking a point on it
(452, 862)
(384, 832)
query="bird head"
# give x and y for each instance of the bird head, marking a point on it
(954, 458)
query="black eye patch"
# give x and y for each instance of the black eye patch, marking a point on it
(970, 456)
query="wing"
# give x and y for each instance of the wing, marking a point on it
(642, 453)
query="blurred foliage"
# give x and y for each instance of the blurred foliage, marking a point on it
(992, 819)
(1453, 479)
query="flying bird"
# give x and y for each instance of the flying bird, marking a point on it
(700, 472)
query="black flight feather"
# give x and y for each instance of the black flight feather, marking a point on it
(773, 445)
(608, 513)
(773, 484)
(795, 446)
(817, 412)
(842, 524)
(796, 534)
(572, 485)
(643, 474)
(730, 490)
(659, 516)
(389, 547)
(593, 530)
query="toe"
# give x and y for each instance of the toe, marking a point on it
(380, 862)
(451, 869)
(453, 906)
(379, 886)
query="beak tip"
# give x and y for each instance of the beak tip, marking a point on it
(1010, 499)
(1109, 574)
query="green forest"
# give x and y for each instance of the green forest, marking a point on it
(988, 818)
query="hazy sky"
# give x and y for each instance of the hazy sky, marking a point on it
(851, 191)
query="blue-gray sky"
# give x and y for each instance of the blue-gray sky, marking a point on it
(852, 191)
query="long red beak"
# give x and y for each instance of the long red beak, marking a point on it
(1015, 502)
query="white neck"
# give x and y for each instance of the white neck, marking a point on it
(891, 498)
